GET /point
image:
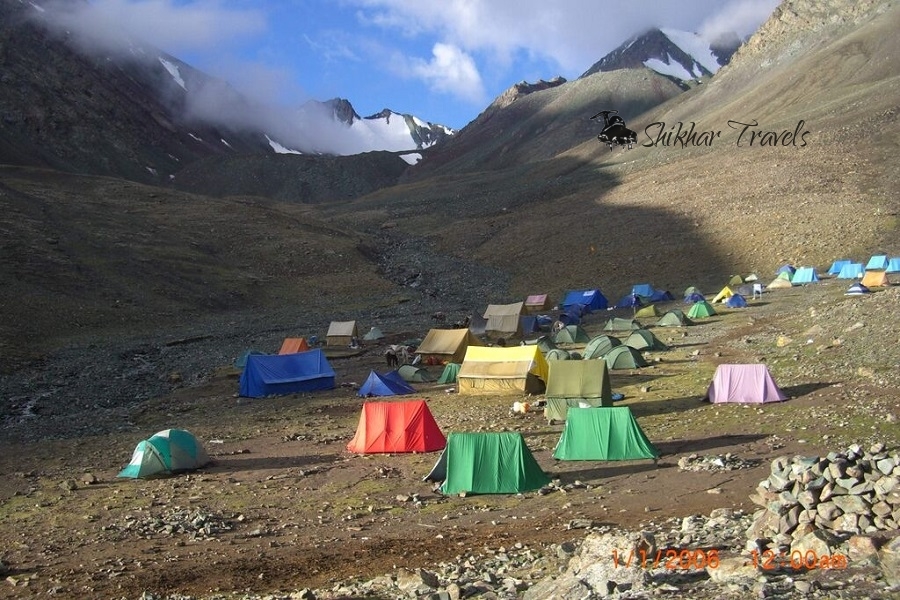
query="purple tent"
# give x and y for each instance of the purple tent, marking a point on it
(743, 384)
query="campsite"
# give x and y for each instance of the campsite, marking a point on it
(285, 505)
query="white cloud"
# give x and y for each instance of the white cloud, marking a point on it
(742, 17)
(450, 71)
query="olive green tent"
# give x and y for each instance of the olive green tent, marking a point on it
(571, 334)
(600, 345)
(624, 357)
(576, 383)
(487, 463)
(412, 373)
(557, 354)
(641, 339)
(674, 318)
(618, 324)
(603, 434)
(701, 310)
(651, 310)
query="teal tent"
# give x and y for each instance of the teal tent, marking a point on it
(451, 370)
(487, 463)
(165, 453)
(600, 345)
(624, 357)
(805, 275)
(603, 434)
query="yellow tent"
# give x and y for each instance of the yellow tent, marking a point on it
(446, 345)
(651, 310)
(724, 295)
(497, 370)
(341, 333)
(875, 279)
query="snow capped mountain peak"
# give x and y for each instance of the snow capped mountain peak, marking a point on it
(681, 55)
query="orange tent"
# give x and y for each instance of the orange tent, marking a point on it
(396, 427)
(293, 345)
(875, 279)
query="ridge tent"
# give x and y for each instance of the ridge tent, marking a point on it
(630, 301)
(617, 324)
(736, 301)
(651, 310)
(694, 297)
(837, 265)
(446, 345)
(744, 384)
(528, 324)
(857, 289)
(736, 280)
(590, 299)
(537, 303)
(373, 334)
(451, 370)
(789, 269)
(165, 453)
(893, 265)
(624, 357)
(380, 385)
(642, 289)
(293, 345)
(277, 375)
(851, 271)
(571, 334)
(641, 339)
(878, 262)
(600, 345)
(674, 318)
(341, 333)
(805, 275)
(412, 373)
(724, 295)
(386, 427)
(875, 279)
(603, 434)
(576, 383)
(701, 310)
(661, 296)
(497, 370)
(779, 282)
(241, 361)
(487, 463)
(503, 319)
(557, 354)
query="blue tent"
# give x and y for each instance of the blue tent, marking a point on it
(630, 301)
(661, 296)
(893, 265)
(857, 289)
(694, 297)
(789, 269)
(570, 318)
(837, 265)
(528, 323)
(851, 271)
(590, 299)
(280, 374)
(390, 384)
(805, 275)
(878, 262)
(643, 289)
(736, 301)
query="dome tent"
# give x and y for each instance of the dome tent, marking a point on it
(165, 453)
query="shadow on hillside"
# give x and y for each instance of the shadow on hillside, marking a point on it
(227, 464)
(664, 406)
(802, 389)
(705, 444)
(605, 472)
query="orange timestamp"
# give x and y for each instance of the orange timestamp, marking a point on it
(670, 558)
(797, 560)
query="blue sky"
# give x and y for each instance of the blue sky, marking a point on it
(441, 60)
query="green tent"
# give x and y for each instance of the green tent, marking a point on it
(451, 370)
(600, 345)
(165, 453)
(674, 318)
(583, 383)
(624, 357)
(701, 310)
(603, 434)
(618, 324)
(641, 339)
(557, 354)
(487, 463)
(413, 374)
(571, 334)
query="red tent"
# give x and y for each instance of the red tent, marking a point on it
(396, 427)
(293, 345)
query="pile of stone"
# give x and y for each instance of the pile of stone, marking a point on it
(714, 462)
(826, 499)
(196, 524)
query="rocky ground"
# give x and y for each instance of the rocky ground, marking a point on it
(284, 511)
